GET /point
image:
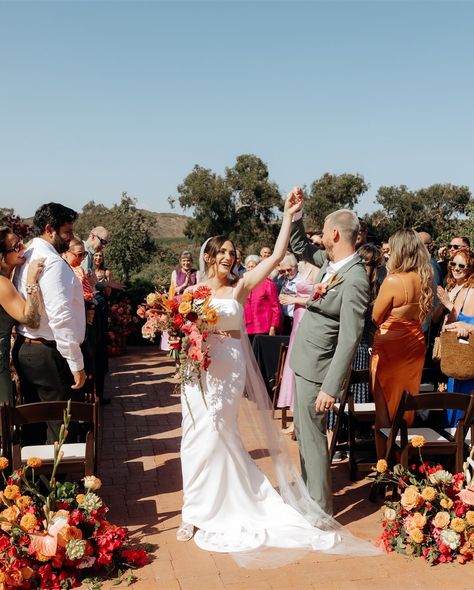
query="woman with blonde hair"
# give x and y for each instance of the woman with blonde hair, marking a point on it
(404, 301)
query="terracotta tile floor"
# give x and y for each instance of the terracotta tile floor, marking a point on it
(140, 469)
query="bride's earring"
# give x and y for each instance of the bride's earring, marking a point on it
(185, 532)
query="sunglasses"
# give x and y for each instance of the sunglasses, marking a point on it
(453, 264)
(101, 240)
(454, 246)
(78, 254)
(16, 248)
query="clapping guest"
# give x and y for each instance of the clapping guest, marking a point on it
(462, 317)
(460, 270)
(304, 286)
(404, 301)
(13, 308)
(184, 275)
(262, 313)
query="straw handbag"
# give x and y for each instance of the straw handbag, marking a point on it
(457, 356)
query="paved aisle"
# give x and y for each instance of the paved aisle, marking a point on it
(140, 469)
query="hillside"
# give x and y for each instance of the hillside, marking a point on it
(168, 225)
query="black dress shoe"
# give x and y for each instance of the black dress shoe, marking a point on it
(104, 401)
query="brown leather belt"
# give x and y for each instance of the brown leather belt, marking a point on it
(27, 340)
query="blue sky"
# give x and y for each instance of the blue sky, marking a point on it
(109, 96)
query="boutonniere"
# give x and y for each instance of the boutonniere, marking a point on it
(320, 289)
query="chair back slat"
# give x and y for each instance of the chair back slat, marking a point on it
(44, 411)
(436, 401)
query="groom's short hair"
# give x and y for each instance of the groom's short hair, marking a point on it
(347, 222)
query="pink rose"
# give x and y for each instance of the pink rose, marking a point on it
(195, 354)
(467, 496)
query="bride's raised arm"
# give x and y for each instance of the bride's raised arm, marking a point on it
(252, 278)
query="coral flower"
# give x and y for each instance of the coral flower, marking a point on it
(418, 441)
(184, 307)
(3, 463)
(12, 492)
(467, 496)
(34, 462)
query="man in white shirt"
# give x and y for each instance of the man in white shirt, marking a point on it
(49, 358)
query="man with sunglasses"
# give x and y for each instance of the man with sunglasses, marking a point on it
(49, 358)
(448, 252)
(97, 241)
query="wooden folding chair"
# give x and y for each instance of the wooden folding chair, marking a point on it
(468, 428)
(276, 387)
(438, 442)
(82, 455)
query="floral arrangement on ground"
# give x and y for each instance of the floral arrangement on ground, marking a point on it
(60, 537)
(434, 516)
(122, 323)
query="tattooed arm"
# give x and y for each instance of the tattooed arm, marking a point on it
(25, 312)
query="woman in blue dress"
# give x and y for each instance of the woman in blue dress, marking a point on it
(463, 326)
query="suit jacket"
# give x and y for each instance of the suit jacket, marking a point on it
(331, 327)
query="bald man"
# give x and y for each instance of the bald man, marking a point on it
(97, 241)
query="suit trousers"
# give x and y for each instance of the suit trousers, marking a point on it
(44, 376)
(310, 430)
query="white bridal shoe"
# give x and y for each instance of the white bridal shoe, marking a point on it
(185, 532)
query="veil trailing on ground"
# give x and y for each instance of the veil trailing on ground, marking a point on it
(328, 536)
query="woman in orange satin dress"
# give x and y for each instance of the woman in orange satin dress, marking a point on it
(404, 301)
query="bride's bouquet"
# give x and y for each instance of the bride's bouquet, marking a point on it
(187, 319)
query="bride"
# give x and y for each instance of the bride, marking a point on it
(225, 494)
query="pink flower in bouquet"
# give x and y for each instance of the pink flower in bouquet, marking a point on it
(467, 496)
(141, 312)
(195, 354)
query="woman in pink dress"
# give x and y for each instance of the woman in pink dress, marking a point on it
(304, 286)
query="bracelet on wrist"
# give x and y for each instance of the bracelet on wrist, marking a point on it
(32, 288)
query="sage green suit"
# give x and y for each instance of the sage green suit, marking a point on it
(324, 346)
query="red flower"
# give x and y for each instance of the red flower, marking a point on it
(202, 292)
(136, 558)
(319, 290)
(4, 543)
(192, 316)
(177, 322)
(76, 517)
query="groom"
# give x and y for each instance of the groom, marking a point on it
(326, 340)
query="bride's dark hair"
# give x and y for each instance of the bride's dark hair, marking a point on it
(212, 249)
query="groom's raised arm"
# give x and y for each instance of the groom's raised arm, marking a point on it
(302, 247)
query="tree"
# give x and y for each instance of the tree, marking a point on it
(242, 204)
(331, 192)
(439, 209)
(130, 241)
(92, 215)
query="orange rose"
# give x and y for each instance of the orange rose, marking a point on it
(441, 520)
(28, 521)
(446, 503)
(416, 535)
(428, 493)
(184, 307)
(10, 514)
(470, 517)
(417, 521)
(23, 502)
(410, 498)
(187, 297)
(12, 492)
(3, 463)
(211, 316)
(458, 524)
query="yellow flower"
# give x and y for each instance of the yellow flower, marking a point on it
(28, 522)
(3, 463)
(80, 498)
(419, 520)
(152, 298)
(9, 514)
(23, 502)
(12, 492)
(416, 535)
(410, 498)
(441, 520)
(184, 307)
(381, 466)
(91, 482)
(211, 316)
(2, 577)
(34, 462)
(470, 517)
(187, 297)
(41, 557)
(418, 441)
(428, 494)
(446, 503)
(458, 524)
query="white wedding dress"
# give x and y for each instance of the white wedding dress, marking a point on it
(226, 495)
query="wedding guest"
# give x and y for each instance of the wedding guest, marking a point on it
(385, 250)
(448, 252)
(262, 313)
(304, 285)
(184, 275)
(403, 303)
(239, 267)
(460, 270)
(49, 357)
(96, 242)
(265, 252)
(286, 285)
(462, 316)
(13, 308)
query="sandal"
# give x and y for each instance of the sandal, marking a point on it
(185, 532)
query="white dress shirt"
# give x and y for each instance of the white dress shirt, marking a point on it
(333, 267)
(63, 317)
(289, 287)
